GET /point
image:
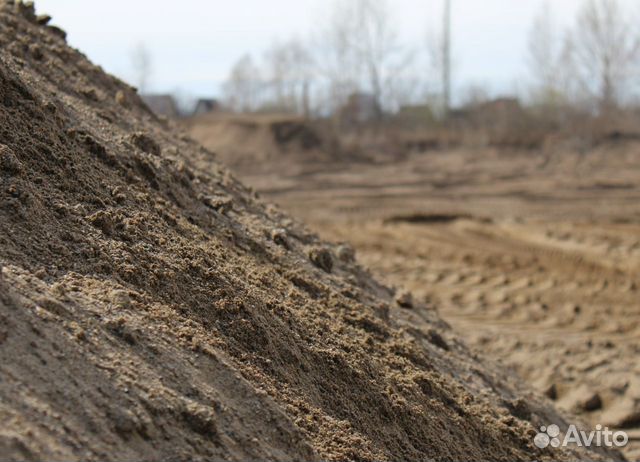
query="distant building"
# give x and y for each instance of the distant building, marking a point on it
(162, 105)
(359, 109)
(204, 106)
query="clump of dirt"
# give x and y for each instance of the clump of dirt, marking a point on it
(154, 309)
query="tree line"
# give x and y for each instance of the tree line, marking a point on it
(592, 66)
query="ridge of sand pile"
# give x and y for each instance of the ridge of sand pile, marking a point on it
(151, 311)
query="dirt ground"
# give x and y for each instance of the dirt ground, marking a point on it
(557, 303)
(532, 256)
(152, 307)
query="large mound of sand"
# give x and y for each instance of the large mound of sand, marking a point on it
(152, 310)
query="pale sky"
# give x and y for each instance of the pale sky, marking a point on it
(194, 43)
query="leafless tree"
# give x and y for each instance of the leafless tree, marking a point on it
(549, 63)
(380, 52)
(242, 88)
(606, 50)
(362, 50)
(289, 75)
(141, 63)
(337, 62)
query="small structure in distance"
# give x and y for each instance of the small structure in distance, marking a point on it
(162, 105)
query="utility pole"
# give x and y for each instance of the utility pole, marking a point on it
(446, 58)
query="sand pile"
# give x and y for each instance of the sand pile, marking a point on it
(154, 310)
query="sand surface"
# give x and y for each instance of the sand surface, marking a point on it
(153, 308)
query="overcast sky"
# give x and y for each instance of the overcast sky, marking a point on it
(194, 43)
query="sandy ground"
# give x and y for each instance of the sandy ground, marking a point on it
(558, 303)
(152, 307)
(533, 257)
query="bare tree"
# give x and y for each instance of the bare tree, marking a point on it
(242, 88)
(337, 58)
(289, 73)
(379, 49)
(362, 50)
(548, 60)
(606, 50)
(141, 63)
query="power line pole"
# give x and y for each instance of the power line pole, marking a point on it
(446, 58)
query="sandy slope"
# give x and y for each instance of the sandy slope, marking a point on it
(152, 308)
